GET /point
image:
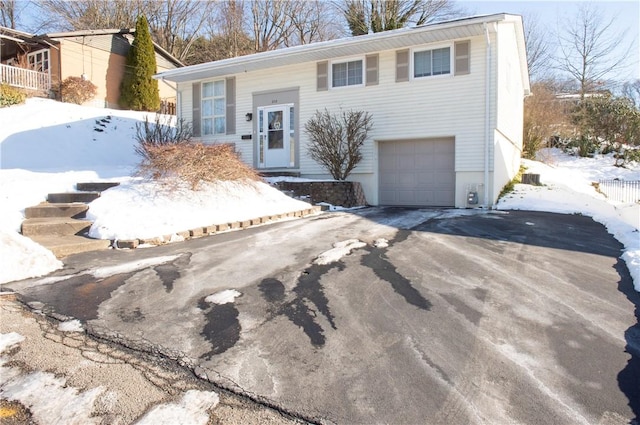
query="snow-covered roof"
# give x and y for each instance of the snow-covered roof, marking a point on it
(351, 46)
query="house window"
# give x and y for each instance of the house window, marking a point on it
(213, 108)
(347, 73)
(427, 63)
(39, 61)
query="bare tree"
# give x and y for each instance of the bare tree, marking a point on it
(175, 24)
(544, 117)
(91, 14)
(8, 13)
(365, 16)
(336, 140)
(587, 48)
(231, 21)
(631, 90)
(271, 25)
(311, 21)
(538, 48)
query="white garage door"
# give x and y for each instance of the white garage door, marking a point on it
(417, 172)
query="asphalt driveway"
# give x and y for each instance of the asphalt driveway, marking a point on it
(439, 317)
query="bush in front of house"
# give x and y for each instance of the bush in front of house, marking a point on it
(161, 132)
(336, 140)
(194, 163)
(11, 96)
(77, 90)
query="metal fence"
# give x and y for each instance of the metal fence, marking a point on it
(620, 190)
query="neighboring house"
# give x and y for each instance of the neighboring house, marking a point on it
(41, 62)
(446, 100)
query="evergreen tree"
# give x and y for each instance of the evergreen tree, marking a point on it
(139, 91)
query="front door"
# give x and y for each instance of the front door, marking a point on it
(275, 131)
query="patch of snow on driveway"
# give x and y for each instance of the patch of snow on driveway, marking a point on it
(223, 297)
(339, 250)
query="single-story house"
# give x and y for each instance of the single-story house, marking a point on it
(446, 99)
(41, 62)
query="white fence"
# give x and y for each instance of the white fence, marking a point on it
(620, 190)
(25, 78)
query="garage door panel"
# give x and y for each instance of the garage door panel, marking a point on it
(417, 172)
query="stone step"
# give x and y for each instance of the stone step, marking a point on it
(95, 186)
(55, 226)
(69, 197)
(62, 246)
(71, 210)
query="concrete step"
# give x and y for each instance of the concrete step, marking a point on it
(62, 246)
(95, 186)
(71, 210)
(69, 197)
(55, 226)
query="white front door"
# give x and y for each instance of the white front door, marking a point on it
(275, 131)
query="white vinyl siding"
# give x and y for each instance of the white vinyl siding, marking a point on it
(410, 113)
(420, 108)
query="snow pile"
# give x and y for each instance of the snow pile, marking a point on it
(142, 209)
(192, 409)
(223, 297)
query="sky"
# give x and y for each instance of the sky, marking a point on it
(551, 15)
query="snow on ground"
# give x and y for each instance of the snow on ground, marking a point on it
(567, 188)
(47, 146)
(223, 297)
(339, 250)
(137, 210)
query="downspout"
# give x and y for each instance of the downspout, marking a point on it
(487, 109)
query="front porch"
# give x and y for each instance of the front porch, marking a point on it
(25, 79)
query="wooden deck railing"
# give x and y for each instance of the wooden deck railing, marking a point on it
(25, 78)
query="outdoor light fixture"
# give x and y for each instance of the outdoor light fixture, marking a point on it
(249, 116)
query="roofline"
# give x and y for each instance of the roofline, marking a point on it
(89, 32)
(123, 31)
(331, 44)
(16, 32)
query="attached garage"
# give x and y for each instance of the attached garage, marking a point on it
(417, 172)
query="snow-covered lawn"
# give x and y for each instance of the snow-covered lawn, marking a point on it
(46, 146)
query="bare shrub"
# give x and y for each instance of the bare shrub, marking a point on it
(335, 141)
(161, 132)
(195, 163)
(77, 90)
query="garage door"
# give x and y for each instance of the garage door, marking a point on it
(417, 172)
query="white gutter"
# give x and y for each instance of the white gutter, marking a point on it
(487, 120)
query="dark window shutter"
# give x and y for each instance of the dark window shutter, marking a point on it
(195, 120)
(230, 93)
(402, 65)
(463, 57)
(372, 69)
(323, 76)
